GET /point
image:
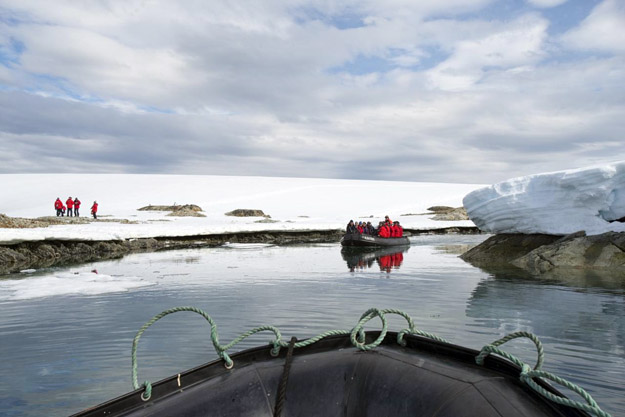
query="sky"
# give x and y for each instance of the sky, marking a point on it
(461, 91)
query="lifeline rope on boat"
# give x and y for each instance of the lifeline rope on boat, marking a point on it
(357, 337)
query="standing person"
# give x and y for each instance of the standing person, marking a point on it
(58, 206)
(70, 207)
(76, 207)
(94, 209)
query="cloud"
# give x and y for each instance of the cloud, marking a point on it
(518, 43)
(424, 91)
(603, 30)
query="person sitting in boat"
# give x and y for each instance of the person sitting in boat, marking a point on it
(361, 230)
(370, 229)
(388, 221)
(385, 231)
(396, 230)
(351, 228)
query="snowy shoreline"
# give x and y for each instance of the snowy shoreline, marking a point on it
(302, 210)
(294, 203)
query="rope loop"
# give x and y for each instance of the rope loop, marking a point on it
(147, 394)
(492, 348)
(357, 338)
(358, 329)
(528, 374)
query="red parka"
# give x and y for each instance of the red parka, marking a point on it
(385, 231)
(77, 203)
(58, 204)
(70, 203)
(94, 208)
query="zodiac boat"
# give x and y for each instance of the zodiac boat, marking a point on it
(352, 373)
(356, 239)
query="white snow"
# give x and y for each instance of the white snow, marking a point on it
(557, 203)
(297, 203)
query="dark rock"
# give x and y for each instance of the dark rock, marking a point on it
(454, 214)
(247, 213)
(503, 249)
(555, 255)
(440, 209)
(175, 207)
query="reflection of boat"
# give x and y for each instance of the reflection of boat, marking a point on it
(358, 257)
(356, 239)
(330, 377)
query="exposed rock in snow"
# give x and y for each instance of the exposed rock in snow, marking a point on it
(558, 203)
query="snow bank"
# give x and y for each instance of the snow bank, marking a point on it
(558, 203)
(296, 203)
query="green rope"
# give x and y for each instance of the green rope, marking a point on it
(357, 337)
(527, 374)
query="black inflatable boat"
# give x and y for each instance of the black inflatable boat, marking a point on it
(411, 375)
(356, 239)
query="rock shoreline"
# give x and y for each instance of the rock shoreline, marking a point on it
(48, 253)
(539, 254)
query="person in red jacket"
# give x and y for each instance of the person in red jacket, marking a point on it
(385, 231)
(94, 209)
(58, 206)
(400, 230)
(70, 207)
(76, 207)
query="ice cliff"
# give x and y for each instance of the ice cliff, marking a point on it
(558, 203)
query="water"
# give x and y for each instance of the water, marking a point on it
(66, 334)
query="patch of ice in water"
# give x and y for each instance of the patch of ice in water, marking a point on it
(67, 283)
(246, 245)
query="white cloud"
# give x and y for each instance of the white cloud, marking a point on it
(275, 89)
(516, 44)
(603, 30)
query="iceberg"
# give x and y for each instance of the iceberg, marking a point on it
(588, 199)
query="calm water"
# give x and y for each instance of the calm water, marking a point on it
(66, 334)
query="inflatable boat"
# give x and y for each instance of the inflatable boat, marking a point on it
(356, 239)
(356, 373)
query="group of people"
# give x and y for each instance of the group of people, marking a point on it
(72, 207)
(385, 229)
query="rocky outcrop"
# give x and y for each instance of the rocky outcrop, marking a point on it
(452, 214)
(247, 213)
(23, 223)
(185, 210)
(35, 255)
(605, 251)
(540, 254)
(501, 250)
(175, 207)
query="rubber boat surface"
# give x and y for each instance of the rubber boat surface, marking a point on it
(333, 378)
(356, 239)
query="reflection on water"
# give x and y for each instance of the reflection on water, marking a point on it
(386, 259)
(66, 335)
